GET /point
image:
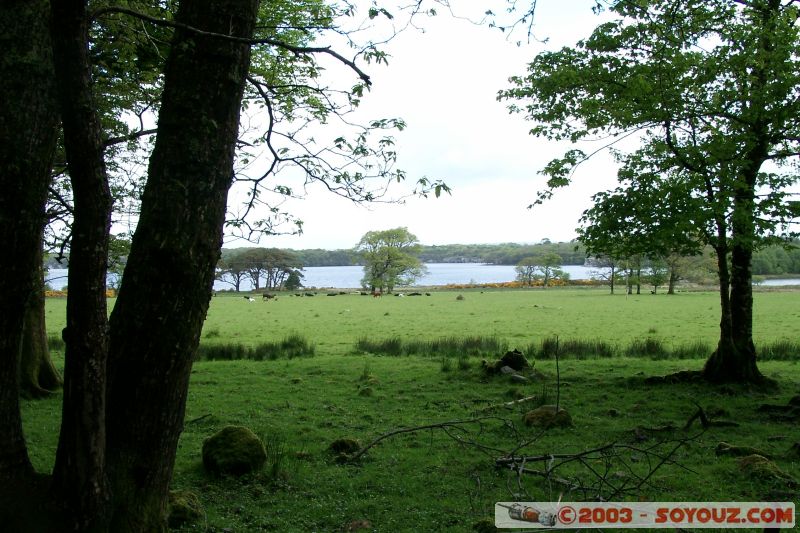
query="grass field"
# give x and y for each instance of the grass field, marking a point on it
(520, 317)
(432, 480)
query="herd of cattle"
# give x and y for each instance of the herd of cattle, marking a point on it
(266, 297)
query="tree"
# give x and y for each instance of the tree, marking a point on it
(293, 281)
(232, 268)
(545, 267)
(710, 88)
(389, 259)
(126, 377)
(526, 271)
(119, 246)
(268, 264)
(28, 133)
(657, 274)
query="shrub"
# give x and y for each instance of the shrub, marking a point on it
(445, 346)
(293, 345)
(692, 350)
(577, 348)
(783, 350)
(650, 347)
(446, 364)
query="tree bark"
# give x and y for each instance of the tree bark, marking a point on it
(28, 136)
(734, 360)
(164, 295)
(38, 377)
(79, 479)
(673, 279)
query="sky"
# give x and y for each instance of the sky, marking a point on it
(443, 83)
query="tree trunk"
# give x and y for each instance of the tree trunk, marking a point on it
(639, 281)
(613, 276)
(673, 279)
(28, 135)
(38, 376)
(164, 295)
(79, 478)
(734, 360)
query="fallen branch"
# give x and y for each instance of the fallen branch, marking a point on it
(451, 424)
(706, 422)
(511, 404)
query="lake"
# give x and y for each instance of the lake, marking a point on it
(345, 277)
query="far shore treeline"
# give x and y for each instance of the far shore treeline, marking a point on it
(771, 260)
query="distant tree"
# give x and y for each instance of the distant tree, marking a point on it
(526, 271)
(605, 268)
(270, 265)
(231, 269)
(293, 281)
(390, 259)
(545, 267)
(658, 273)
(119, 246)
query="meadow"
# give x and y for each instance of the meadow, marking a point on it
(445, 478)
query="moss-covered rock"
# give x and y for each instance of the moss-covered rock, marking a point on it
(345, 445)
(516, 360)
(184, 508)
(547, 416)
(762, 468)
(233, 450)
(723, 448)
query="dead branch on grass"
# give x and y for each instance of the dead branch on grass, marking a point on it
(448, 427)
(603, 473)
(705, 421)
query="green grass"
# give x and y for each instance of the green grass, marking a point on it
(429, 481)
(519, 318)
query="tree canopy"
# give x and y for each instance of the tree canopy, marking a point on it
(389, 258)
(545, 268)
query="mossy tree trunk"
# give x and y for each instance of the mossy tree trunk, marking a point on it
(38, 377)
(28, 136)
(164, 295)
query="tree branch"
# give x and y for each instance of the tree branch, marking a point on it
(299, 50)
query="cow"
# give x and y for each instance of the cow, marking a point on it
(376, 294)
(266, 297)
(249, 299)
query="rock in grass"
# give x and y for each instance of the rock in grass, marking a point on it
(345, 445)
(760, 467)
(233, 450)
(358, 525)
(547, 416)
(515, 359)
(184, 508)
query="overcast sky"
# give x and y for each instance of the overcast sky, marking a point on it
(443, 82)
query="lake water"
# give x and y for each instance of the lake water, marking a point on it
(344, 277)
